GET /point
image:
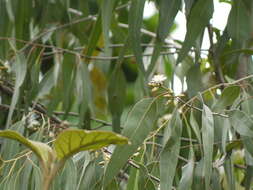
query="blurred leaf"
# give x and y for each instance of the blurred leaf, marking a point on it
(43, 151)
(241, 122)
(106, 12)
(170, 152)
(72, 141)
(195, 127)
(83, 87)
(20, 69)
(167, 13)
(198, 177)
(116, 97)
(238, 22)
(198, 18)
(137, 127)
(187, 174)
(194, 80)
(228, 97)
(135, 24)
(208, 141)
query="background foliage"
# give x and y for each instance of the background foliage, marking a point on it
(87, 64)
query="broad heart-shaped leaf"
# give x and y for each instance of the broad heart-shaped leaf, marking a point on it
(242, 123)
(227, 98)
(199, 16)
(137, 127)
(72, 141)
(208, 141)
(42, 150)
(170, 151)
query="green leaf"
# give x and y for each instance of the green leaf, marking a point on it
(208, 141)
(241, 122)
(195, 127)
(20, 68)
(116, 97)
(170, 151)
(135, 24)
(106, 12)
(137, 127)
(167, 14)
(199, 16)
(42, 150)
(187, 174)
(72, 141)
(228, 97)
(238, 22)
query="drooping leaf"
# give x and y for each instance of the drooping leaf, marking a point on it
(72, 141)
(20, 69)
(187, 174)
(137, 127)
(208, 141)
(228, 97)
(116, 97)
(199, 16)
(167, 14)
(135, 24)
(238, 22)
(170, 152)
(42, 150)
(106, 12)
(241, 122)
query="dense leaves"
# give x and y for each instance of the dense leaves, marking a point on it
(89, 65)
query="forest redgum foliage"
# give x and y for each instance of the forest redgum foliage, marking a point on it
(79, 66)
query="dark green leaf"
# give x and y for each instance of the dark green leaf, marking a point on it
(116, 97)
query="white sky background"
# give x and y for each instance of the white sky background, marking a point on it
(219, 20)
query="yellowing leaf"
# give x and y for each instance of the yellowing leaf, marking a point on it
(72, 141)
(42, 150)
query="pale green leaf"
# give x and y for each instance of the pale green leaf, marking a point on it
(208, 141)
(135, 24)
(198, 19)
(241, 122)
(228, 97)
(167, 14)
(170, 152)
(72, 141)
(137, 127)
(42, 150)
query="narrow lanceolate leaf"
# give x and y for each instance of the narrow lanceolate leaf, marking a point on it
(20, 68)
(208, 140)
(242, 123)
(199, 16)
(106, 11)
(239, 22)
(72, 141)
(167, 14)
(228, 97)
(135, 24)
(187, 174)
(116, 97)
(43, 151)
(138, 125)
(170, 152)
